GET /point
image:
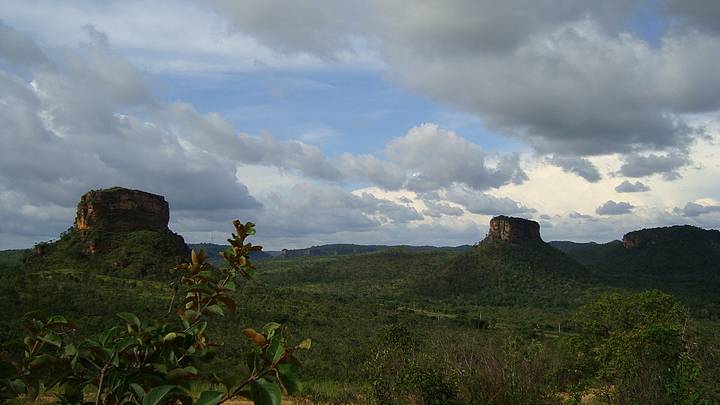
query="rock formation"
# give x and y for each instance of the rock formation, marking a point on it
(671, 235)
(513, 230)
(122, 210)
(117, 230)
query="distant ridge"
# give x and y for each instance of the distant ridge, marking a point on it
(567, 246)
(336, 249)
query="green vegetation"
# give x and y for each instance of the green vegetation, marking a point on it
(498, 323)
(503, 274)
(142, 253)
(682, 260)
(636, 349)
(150, 363)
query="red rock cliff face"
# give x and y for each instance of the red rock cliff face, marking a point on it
(513, 230)
(632, 240)
(121, 210)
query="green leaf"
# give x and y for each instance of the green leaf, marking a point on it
(275, 350)
(40, 361)
(265, 392)
(182, 373)
(52, 339)
(209, 398)
(126, 343)
(137, 391)
(71, 350)
(270, 328)
(232, 382)
(157, 394)
(289, 379)
(216, 309)
(131, 319)
(57, 320)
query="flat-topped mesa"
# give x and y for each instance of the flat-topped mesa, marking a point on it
(119, 209)
(671, 235)
(513, 230)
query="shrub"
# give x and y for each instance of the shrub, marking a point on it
(635, 349)
(150, 363)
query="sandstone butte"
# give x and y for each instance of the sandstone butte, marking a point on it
(105, 216)
(119, 209)
(512, 230)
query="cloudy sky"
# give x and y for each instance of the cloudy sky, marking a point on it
(384, 121)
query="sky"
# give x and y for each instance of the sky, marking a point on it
(374, 122)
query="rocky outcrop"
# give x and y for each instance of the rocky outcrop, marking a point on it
(117, 231)
(677, 235)
(121, 210)
(513, 230)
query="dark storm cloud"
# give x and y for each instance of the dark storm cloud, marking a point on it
(577, 165)
(563, 76)
(704, 15)
(642, 166)
(17, 48)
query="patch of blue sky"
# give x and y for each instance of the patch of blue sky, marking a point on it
(648, 22)
(337, 110)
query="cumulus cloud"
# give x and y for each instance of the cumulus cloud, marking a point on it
(614, 208)
(324, 28)
(17, 48)
(628, 187)
(437, 209)
(88, 121)
(91, 110)
(321, 209)
(641, 166)
(485, 204)
(578, 165)
(428, 158)
(704, 15)
(438, 158)
(577, 215)
(692, 209)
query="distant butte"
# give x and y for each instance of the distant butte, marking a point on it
(119, 209)
(512, 230)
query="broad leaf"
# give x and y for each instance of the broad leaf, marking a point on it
(131, 319)
(157, 394)
(265, 392)
(275, 350)
(289, 379)
(137, 391)
(209, 398)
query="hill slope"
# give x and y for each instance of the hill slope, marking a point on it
(683, 260)
(499, 273)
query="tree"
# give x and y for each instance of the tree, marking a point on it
(150, 363)
(635, 349)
